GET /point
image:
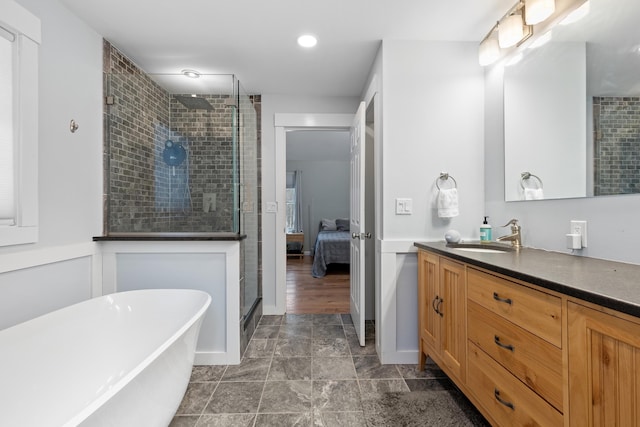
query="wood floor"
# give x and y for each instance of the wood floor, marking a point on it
(309, 295)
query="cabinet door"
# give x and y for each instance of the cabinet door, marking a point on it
(427, 290)
(604, 369)
(453, 308)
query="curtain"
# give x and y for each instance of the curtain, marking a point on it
(298, 187)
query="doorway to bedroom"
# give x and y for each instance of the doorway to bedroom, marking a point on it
(317, 221)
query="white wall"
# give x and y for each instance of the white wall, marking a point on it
(325, 193)
(433, 122)
(613, 231)
(70, 170)
(272, 104)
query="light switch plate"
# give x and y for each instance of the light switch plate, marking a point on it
(271, 207)
(404, 206)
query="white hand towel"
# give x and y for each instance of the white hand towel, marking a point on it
(533, 194)
(448, 203)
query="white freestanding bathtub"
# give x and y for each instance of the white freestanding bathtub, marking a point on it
(119, 360)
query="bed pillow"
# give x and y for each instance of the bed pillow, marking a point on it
(328, 225)
(342, 224)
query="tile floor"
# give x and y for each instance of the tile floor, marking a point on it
(309, 370)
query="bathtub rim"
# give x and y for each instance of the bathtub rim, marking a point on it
(100, 400)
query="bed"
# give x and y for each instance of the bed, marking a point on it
(332, 246)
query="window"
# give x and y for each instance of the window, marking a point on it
(19, 40)
(291, 210)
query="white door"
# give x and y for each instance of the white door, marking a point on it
(357, 226)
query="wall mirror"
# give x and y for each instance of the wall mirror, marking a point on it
(572, 109)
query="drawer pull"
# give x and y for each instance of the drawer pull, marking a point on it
(509, 347)
(509, 405)
(433, 304)
(498, 298)
(436, 307)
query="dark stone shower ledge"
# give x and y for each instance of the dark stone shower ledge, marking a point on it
(144, 237)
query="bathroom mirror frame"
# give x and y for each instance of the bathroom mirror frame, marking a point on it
(552, 96)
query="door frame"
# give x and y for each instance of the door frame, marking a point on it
(284, 122)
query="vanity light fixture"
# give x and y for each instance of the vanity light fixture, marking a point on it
(192, 74)
(510, 30)
(539, 10)
(307, 40)
(489, 51)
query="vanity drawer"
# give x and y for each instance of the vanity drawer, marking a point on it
(509, 401)
(535, 311)
(531, 359)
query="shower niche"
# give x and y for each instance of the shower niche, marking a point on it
(179, 153)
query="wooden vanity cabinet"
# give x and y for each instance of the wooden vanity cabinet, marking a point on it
(525, 355)
(604, 368)
(442, 313)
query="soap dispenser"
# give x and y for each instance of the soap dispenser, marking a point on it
(485, 231)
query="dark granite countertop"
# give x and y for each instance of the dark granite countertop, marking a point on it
(611, 284)
(142, 237)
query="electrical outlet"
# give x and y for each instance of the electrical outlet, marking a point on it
(580, 227)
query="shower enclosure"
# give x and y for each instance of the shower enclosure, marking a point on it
(181, 157)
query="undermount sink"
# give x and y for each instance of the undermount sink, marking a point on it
(487, 248)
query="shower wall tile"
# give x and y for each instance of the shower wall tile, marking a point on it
(145, 194)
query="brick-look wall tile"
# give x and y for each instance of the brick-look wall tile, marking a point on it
(616, 145)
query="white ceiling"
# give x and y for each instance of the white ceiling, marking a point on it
(256, 39)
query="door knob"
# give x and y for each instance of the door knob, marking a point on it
(355, 235)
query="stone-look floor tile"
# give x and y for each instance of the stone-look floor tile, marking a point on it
(336, 396)
(271, 320)
(260, 348)
(327, 319)
(294, 347)
(371, 389)
(332, 368)
(235, 398)
(328, 332)
(195, 398)
(184, 421)
(290, 368)
(349, 329)
(369, 331)
(286, 396)
(346, 319)
(296, 331)
(422, 384)
(284, 420)
(342, 419)
(297, 319)
(356, 350)
(419, 408)
(333, 347)
(369, 367)
(430, 371)
(207, 373)
(247, 370)
(226, 420)
(266, 332)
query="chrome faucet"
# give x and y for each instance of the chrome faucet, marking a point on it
(514, 237)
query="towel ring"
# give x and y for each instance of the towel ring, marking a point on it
(445, 177)
(525, 176)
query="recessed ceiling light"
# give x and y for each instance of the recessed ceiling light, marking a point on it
(307, 40)
(191, 74)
